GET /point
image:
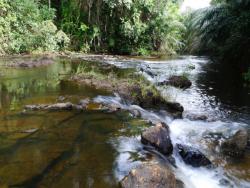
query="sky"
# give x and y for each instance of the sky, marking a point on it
(195, 4)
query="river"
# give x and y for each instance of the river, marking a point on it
(94, 148)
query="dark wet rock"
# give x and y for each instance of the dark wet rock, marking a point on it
(149, 176)
(148, 71)
(175, 108)
(192, 156)
(159, 137)
(177, 81)
(196, 117)
(230, 142)
(236, 144)
(60, 106)
(179, 184)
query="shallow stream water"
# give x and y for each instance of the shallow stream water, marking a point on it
(95, 148)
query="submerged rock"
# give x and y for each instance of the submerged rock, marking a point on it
(196, 117)
(159, 137)
(149, 176)
(177, 81)
(192, 156)
(55, 107)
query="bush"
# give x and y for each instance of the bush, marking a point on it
(26, 26)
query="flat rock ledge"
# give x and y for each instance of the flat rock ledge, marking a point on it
(150, 176)
(56, 107)
(159, 137)
(84, 104)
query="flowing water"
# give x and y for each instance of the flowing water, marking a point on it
(95, 148)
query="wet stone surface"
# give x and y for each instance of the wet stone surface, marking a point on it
(159, 137)
(149, 176)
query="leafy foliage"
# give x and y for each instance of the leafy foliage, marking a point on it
(223, 31)
(122, 26)
(27, 26)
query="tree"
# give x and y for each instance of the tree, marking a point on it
(123, 26)
(224, 31)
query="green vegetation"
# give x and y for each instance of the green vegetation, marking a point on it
(221, 31)
(111, 26)
(123, 27)
(27, 26)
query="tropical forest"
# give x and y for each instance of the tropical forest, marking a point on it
(125, 93)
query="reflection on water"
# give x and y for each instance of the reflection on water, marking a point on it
(58, 149)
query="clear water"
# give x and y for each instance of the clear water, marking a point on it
(97, 149)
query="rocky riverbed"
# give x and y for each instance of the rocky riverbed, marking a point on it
(125, 109)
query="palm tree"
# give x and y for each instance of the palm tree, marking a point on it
(224, 30)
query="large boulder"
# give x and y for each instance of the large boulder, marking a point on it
(230, 142)
(177, 81)
(159, 137)
(236, 144)
(192, 156)
(149, 176)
